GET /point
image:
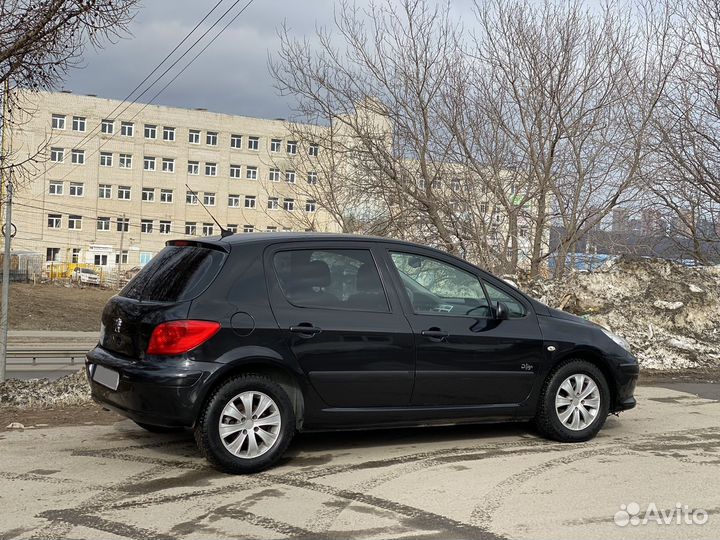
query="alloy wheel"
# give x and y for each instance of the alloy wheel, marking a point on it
(577, 401)
(250, 424)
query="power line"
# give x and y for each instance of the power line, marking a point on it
(156, 68)
(144, 106)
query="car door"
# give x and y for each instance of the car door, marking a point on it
(465, 355)
(344, 326)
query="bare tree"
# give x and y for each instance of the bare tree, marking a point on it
(40, 41)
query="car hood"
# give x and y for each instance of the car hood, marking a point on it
(564, 315)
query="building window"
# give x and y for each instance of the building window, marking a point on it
(107, 126)
(310, 206)
(289, 204)
(165, 227)
(207, 229)
(251, 172)
(150, 131)
(124, 257)
(194, 137)
(58, 121)
(77, 189)
(123, 224)
(211, 138)
(248, 228)
(233, 201)
(211, 169)
(168, 134)
(250, 201)
(126, 161)
(103, 224)
(145, 257)
(314, 150)
(455, 184)
(273, 203)
(290, 177)
(312, 178)
(191, 198)
(149, 163)
(54, 221)
(166, 195)
(77, 157)
(57, 155)
(275, 145)
(146, 226)
(209, 199)
(101, 260)
(236, 141)
(106, 159)
(232, 228)
(274, 175)
(75, 222)
(190, 228)
(124, 193)
(253, 143)
(292, 147)
(78, 123)
(235, 171)
(168, 165)
(56, 187)
(193, 167)
(52, 254)
(271, 228)
(104, 191)
(127, 129)
(148, 194)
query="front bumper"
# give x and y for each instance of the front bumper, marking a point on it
(626, 377)
(167, 392)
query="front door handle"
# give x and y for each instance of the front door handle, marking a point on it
(435, 334)
(305, 328)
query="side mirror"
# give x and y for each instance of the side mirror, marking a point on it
(501, 311)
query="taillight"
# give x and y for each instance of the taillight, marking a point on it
(177, 337)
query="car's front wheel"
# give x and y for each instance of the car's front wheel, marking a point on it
(574, 402)
(246, 425)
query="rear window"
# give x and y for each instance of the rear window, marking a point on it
(175, 274)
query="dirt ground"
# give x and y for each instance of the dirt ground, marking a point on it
(66, 415)
(56, 307)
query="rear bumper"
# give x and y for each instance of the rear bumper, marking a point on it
(166, 393)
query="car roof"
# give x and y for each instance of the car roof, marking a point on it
(277, 237)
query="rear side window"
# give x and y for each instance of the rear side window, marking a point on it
(331, 278)
(175, 274)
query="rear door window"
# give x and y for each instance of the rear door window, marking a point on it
(331, 279)
(176, 274)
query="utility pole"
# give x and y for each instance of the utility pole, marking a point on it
(5, 187)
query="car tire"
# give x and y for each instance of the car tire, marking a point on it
(564, 415)
(249, 442)
(159, 429)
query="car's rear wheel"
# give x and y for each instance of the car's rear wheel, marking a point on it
(574, 402)
(246, 425)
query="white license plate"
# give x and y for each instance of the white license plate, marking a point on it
(106, 377)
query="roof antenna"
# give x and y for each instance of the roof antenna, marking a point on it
(224, 233)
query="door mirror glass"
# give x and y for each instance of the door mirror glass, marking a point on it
(438, 288)
(501, 311)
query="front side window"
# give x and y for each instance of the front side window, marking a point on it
(515, 309)
(438, 288)
(331, 278)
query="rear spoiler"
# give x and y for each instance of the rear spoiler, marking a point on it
(207, 244)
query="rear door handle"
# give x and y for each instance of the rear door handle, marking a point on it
(435, 334)
(306, 329)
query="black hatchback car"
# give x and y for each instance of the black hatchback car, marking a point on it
(250, 338)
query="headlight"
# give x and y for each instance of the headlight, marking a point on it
(617, 339)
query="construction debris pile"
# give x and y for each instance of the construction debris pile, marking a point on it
(669, 313)
(40, 393)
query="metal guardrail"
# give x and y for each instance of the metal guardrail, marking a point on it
(19, 358)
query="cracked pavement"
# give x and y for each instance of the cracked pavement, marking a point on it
(484, 481)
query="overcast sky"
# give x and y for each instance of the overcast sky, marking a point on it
(231, 76)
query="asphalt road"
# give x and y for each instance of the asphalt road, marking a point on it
(497, 481)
